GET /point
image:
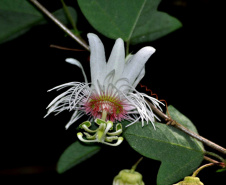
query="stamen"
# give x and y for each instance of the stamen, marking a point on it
(100, 134)
(118, 132)
(87, 129)
(111, 138)
(79, 134)
(89, 137)
(109, 125)
(120, 139)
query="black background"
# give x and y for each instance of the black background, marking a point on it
(187, 71)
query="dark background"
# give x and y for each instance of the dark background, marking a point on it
(187, 71)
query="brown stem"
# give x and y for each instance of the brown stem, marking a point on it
(200, 138)
(177, 125)
(61, 25)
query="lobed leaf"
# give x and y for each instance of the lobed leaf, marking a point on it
(179, 154)
(132, 20)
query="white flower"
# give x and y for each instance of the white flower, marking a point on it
(111, 95)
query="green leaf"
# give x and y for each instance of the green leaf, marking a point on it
(18, 16)
(183, 120)
(132, 20)
(179, 154)
(75, 154)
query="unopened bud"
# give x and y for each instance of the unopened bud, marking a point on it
(190, 181)
(128, 177)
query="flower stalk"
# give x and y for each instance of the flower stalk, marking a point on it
(201, 168)
(135, 165)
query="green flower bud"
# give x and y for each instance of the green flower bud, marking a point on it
(190, 181)
(128, 177)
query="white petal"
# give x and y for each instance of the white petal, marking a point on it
(138, 79)
(77, 63)
(117, 59)
(97, 59)
(134, 67)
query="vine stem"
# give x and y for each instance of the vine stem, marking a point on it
(177, 125)
(61, 25)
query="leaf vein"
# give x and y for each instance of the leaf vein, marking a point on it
(164, 142)
(136, 20)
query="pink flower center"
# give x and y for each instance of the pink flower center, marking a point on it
(111, 104)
